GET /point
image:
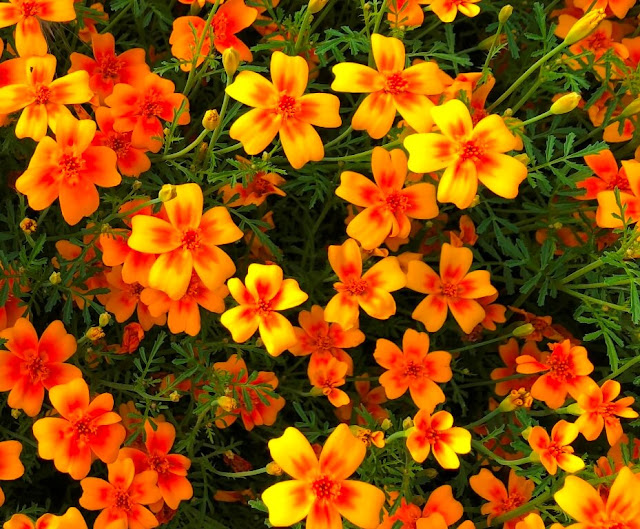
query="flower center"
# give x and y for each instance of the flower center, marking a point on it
(413, 370)
(122, 500)
(150, 107)
(287, 106)
(397, 202)
(598, 41)
(219, 24)
(356, 287)
(29, 8)
(43, 93)
(84, 429)
(263, 306)
(194, 286)
(450, 290)
(395, 84)
(324, 488)
(120, 143)
(323, 343)
(512, 502)
(135, 289)
(620, 181)
(559, 367)
(35, 366)
(71, 167)
(110, 67)
(260, 186)
(470, 150)
(191, 240)
(432, 435)
(158, 463)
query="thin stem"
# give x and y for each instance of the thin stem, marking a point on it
(246, 474)
(484, 419)
(188, 148)
(622, 369)
(479, 447)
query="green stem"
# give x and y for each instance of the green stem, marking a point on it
(397, 435)
(523, 509)
(223, 112)
(306, 19)
(188, 148)
(339, 138)
(589, 299)
(191, 79)
(117, 18)
(480, 344)
(621, 369)
(363, 154)
(479, 447)
(246, 474)
(484, 419)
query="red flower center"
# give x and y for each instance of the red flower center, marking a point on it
(450, 290)
(194, 286)
(35, 366)
(30, 8)
(122, 500)
(264, 306)
(620, 181)
(135, 289)
(220, 24)
(150, 106)
(413, 370)
(119, 142)
(84, 428)
(470, 150)
(395, 84)
(560, 367)
(432, 435)
(71, 167)
(42, 95)
(356, 287)
(598, 41)
(324, 488)
(478, 114)
(513, 501)
(158, 463)
(260, 186)
(323, 343)
(191, 240)
(110, 67)
(287, 106)
(557, 450)
(397, 202)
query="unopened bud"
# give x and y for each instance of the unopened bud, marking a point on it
(631, 109)
(557, 225)
(431, 473)
(265, 156)
(228, 404)
(211, 119)
(316, 5)
(475, 201)
(15, 413)
(522, 158)
(94, 334)
(104, 319)
(230, 61)
(407, 423)
(28, 225)
(583, 27)
(167, 192)
(487, 43)
(174, 396)
(386, 424)
(273, 469)
(575, 409)
(136, 185)
(55, 278)
(527, 432)
(565, 104)
(523, 330)
(505, 13)
(316, 392)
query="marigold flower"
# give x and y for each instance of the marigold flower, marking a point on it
(10, 465)
(405, 12)
(326, 373)
(455, 289)
(368, 399)
(132, 335)
(626, 180)
(436, 433)
(509, 354)
(599, 410)
(441, 510)
(369, 291)
(566, 368)
(72, 519)
(607, 174)
(255, 190)
(554, 451)
(320, 490)
(619, 8)
(413, 368)
(281, 108)
(448, 9)
(468, 154)
(85, 430)
(27, 16)
(188, 240)
(391, 88)
(121, 499)
(31, 365)
(69, 168)
(388, 204)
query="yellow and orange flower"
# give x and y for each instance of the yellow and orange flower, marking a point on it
(607, 174)
(436, 433)
(326, 373)
(468, 154)
(554, 451)
(10, 465)
(320, 490)
(258, 186)
(72, 519)
(367, 399)
(281, 108)
(627, 182)
(447, 10)
(405, 12)
(509, 353)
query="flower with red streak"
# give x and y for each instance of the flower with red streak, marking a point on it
(405, 12)
(326, 374)
(10, 465)
(619, 8)
(607, 174)
(388, 204)
(447, 10)
(132, 335)
(609, 214)
(413, 368)
(455, 289)
(31, 365)
(509, 354)
(72, 519)
(85, 430)
(441, 510)
(436, 433)
(566, 369)
(255, 190)
(121, 499)
(554, 451)
(89, 21)
(600, 410)
(320, 490)
(264, 293)
(542, 326)
(367, 399)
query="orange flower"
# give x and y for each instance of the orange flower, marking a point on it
(89, 21)
(42, 98)
(86, 430)
(599, 410)
(170, 468)
(13, 308)
(501, 499)
(368, 400)
(388, 207)
(566, 368)
(468, 154)
(509, 354)
(448, 9)
(320, 490)
(609, 214)
(391, 88)
(281, 108)
(436, 432)
(254, 191)
(370, 291)
(121, 499)
(413, 368)
(72, 519)
(618, 7)
(69, 168)
(607, 175)
(107, 69)
(326, 374)
(554, 451)
(29, 366)
(232, 17)
(10, 466)
(27, 16)
(187, 241)
(140, 107)
(132, 335)
(441, 510)
(405, 12)
(455, 289)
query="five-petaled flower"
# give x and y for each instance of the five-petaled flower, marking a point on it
(554, 451)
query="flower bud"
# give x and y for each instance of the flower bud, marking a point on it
(527, 432)
(167, 192)
(55, 278)
(28, 225)
(273, 469)
(565, 104)
(230, 61)
(94, 334)
(316, 5)
(505, 13)
(136, 185)
(175, 396)
(522, 158)
(104, 319)
(407, 423)
(583, 27)
(386, 424)
(487, 43)
(518, 398)
(211, 119)
(431, 473)
(15, 413)
(631, 109)
(523, 330)
(228, 404)
(575, 409)
(475, 201)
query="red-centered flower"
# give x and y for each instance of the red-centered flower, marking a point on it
(72, 519)
(447, 10)
(554, 451)
(436, 433)
(509, 354)
(326, 374)
(367, 399)
(31, 365)
(607, 174)
(10, 465)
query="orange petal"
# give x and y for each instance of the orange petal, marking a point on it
(185, 210)
(300, 142)
(356, 78)
(432, 312)
(289, 74)
(256, 129)
(288, 502)
(360, 503)
(388, 53)
(253, 90)
(375, 114)
(171, 272)
(342, 454)
(153, 235)
(458, 184)
(320, 110)
(293, 453)
(429, 152)
(453, 119)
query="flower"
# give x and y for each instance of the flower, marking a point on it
(31, 365)
(255, 190)
(599, 410)
(265, 293)
(85, 430)
(281, 108)
(326, 373)
(405, 12)
(413, 368)
(132, 335)
(391, 88)
(436, 432)
(455, 289)
(121, 499)
(320, 490)
(72, 519)
(69, 168)
(609, 214)
(441, 510)
(607, 174)
(370, 291)
(448, 9)
(554, 451)
(186, 241)
(618, 7)
(509, 353)
(388, 204)
(10, 465)
(468, 154)
(368, 400)
(42, 98)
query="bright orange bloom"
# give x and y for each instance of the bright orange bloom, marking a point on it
(326, 373)
(255, 190)
(627, 181)
(618, 7)
(468, 154)
(121, 499)
(281, 108)
(413, 368)
(440, 512)
(27, 16)
(436, 433)
(583, 503)
(265, 293)
(388, 204)
(607, 174)
(369, 291)
(554, 451)
(29, 366)
(367, 399)
(140, 107)
(405, 12)
(391, 88)
(320, 490)
(188, 240)
(69, 168)
(72, 519)
(10, 465)
(86, 430)
(170, 468)
(509, 354)
(89, 21)
(455, 289)
(42, 98)
(566, 370)
(502, 499)
(107, 69)
(599, 410)
(232, 17)
(448, 9)
(13, 308)
(132, 335)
